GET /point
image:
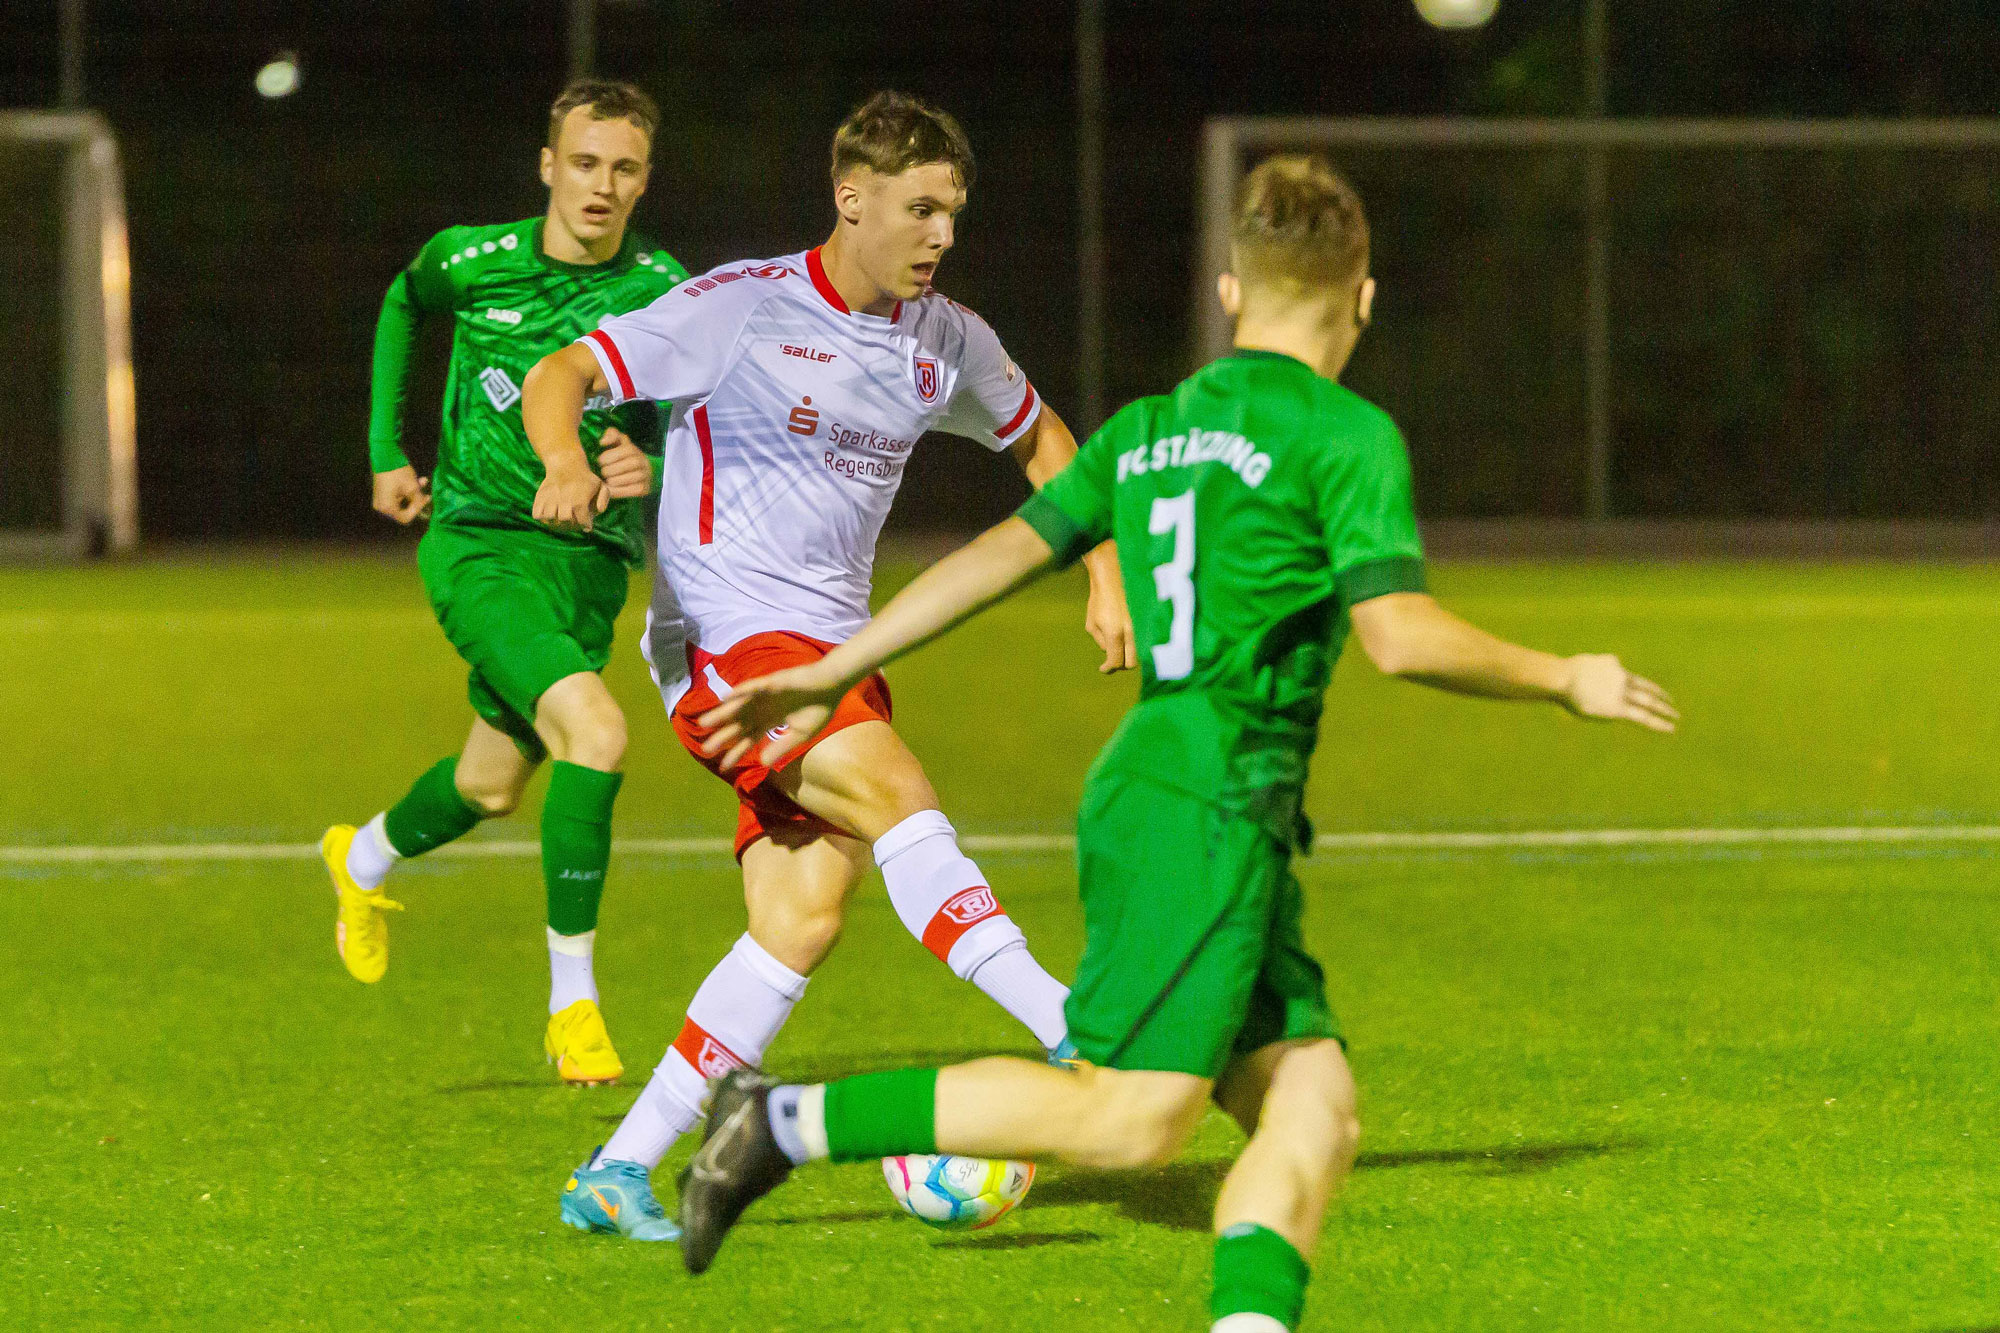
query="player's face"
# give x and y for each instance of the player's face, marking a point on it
(595, 174)
(903, 225)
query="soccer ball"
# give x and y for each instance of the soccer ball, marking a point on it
(947, 1191)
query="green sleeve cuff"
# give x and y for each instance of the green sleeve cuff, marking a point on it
(1065, 536)
(386, 456)
(657, 465)
(1379, 578)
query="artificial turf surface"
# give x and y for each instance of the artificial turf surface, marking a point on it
(1745, 1088)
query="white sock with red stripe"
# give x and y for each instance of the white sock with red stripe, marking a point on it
(733, 1017)
(944, 901)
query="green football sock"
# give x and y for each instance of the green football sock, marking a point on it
(432, 814)
(576, 843)
(1257, 1271)
(882, 1115)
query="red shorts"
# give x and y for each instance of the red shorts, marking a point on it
(764, 810)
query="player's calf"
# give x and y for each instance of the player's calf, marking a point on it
(1300, 1099)
(1120, 1119)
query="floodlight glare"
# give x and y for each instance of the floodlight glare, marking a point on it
(1457, 13)
(280, 78)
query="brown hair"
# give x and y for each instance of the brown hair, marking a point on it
(607, 100)
(1298, 225)
(892, 132)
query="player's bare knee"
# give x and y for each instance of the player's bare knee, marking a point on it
(800, 936)
(491, 802)
(1312, 1100)
(602, 745)
(816, 933)
(897, 791)
(1140, 1120)
(591, 734)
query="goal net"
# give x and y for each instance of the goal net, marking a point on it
(68, 469)
(1660, 319)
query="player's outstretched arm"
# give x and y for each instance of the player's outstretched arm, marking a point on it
(1410, 636)
(399, 493)
(1044, 451)
(801, 699)
(552, 399)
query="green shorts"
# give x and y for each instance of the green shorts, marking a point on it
(524, 610)
(1193, 952)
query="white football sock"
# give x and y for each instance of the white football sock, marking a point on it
(797, 1114)
(369, 856)
(1017, 982)
(1247, 1322)
(731, 1020)
(571, 977)
(944, 901)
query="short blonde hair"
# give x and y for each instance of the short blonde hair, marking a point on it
(607, 100)
(892, 132)
(1298, 227)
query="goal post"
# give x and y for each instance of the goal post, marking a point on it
(68, 458)
(1850, 226)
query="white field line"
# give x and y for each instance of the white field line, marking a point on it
(1337, 843)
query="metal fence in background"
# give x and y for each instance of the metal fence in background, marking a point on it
(1657, 319)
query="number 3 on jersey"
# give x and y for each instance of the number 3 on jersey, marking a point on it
(1174, 582)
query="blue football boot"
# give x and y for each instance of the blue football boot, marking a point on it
(615, 1197)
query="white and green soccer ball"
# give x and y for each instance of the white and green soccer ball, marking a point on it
(947, 1191)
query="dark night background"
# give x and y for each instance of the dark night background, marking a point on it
(1795, 337)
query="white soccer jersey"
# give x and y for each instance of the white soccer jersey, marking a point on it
(792, 419)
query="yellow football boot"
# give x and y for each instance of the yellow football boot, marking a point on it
(580, 1048)
(359, 933)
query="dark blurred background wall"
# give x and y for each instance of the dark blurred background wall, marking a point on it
(263, 232)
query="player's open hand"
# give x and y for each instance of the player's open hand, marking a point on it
(1109, 621)
(402, 495)
(784, 710)
(623, 465)
(1601, 687)
(571, 496)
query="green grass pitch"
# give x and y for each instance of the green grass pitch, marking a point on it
(1648, 1088)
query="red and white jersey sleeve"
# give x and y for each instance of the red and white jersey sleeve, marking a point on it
(680, 346)
(991, 401)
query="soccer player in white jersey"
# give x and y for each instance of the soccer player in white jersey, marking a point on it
(799, 386)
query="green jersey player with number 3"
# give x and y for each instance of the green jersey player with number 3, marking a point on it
(1260, 510)
(529, 607)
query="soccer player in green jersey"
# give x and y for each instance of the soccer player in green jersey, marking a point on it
(529, 607)
(1259, 510)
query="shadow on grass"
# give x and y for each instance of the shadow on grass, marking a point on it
(1019, 1240)
(819, 1069)
(1511, 1159)
(1973, 1328)
(500, 1085)
(1182, 1195)
(804, 1071)
(829, 1219)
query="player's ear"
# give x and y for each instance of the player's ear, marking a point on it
(549, 167)
(847, 198)
(1230, 291)
(1364, 303)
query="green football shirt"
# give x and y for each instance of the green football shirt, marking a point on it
(1252, 506)
(511, 305)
